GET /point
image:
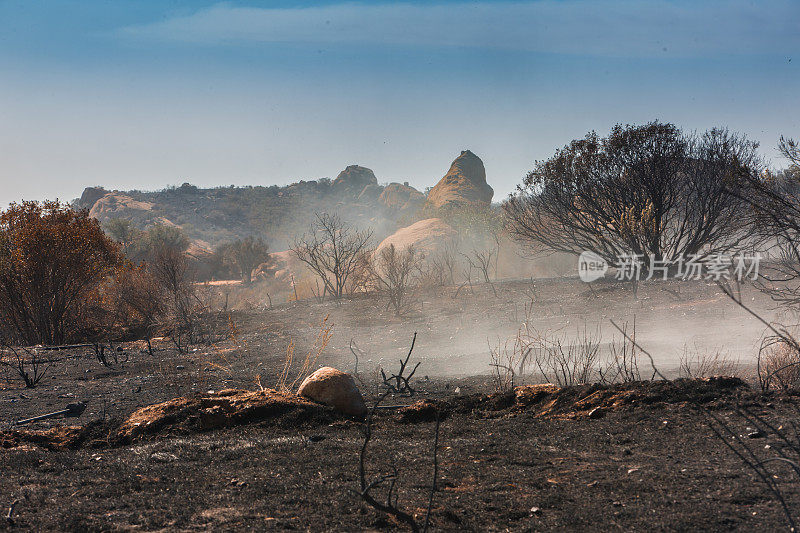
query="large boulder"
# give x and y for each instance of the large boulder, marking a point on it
(402, 198)
(427, 236)
(353, 179)
(465, 183)
(334, 388)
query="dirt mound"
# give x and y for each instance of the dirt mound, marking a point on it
(421, 411)
(588, 401)
(353, 179)
(427, 236)
(464, 183)
(53, 438)
(222, 409)
(596, 400)
(401, 198)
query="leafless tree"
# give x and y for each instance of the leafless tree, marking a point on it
(774, 209)
(395, 273)
(651, 190)
(173, 274)
(140, 300)
(362, 279)
(567, 361)
(445, 261)
(484, 260)
(332, 250)
(773, 201)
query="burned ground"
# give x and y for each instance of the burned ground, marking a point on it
(630, 457)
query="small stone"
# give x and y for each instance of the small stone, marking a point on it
(180, 367)
(535, 511)
(757, 434)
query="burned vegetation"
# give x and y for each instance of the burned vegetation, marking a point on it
(448, 373)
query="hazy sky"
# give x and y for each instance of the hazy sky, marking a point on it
(144, 94)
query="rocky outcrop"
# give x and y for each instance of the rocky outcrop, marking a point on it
(114, 204)
(353, 179)
(427, 236)
(401, 198)
(465, 183)
(334, 388)
(90, 196)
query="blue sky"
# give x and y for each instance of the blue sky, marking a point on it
(145, 94)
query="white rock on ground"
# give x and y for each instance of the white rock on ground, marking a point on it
(334, 388)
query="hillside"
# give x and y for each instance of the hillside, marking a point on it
(228, 213)
(279, 213)
(276, 213)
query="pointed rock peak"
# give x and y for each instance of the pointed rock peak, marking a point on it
(464, 183)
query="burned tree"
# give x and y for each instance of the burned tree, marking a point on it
(773, 201)
(52, 259)
(651, 190)
(332, 250)
(246, 254)
(396, 274)
(141, 301)
(173, 275)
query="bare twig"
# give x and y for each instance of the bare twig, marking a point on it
(10, 515)
(399, 383)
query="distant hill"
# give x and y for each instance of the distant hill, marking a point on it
(278, 214)
(275, 213)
